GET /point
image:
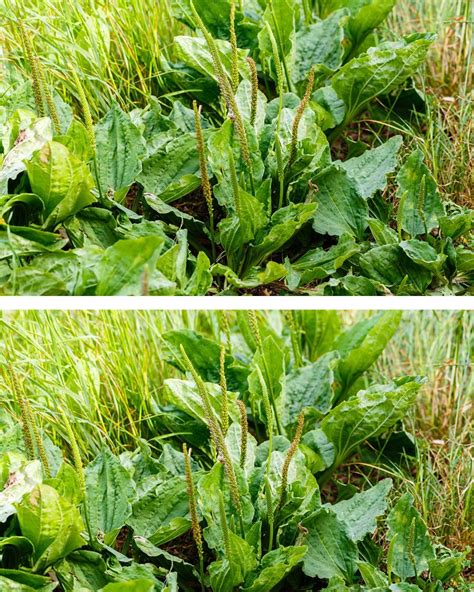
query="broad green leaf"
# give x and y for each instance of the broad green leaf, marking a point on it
(423, 254)
(121, 270)
(241, 228)
(311, 386)
(109, 491)
(194, 52)
(254, 277)
(141, 585)
(340, 207)
(319, 263)
(367, 340)
(390, 266)
(383, 234)
(173, 170)
(280, 16)
(21, 544)
(320, 44)
(447, 568)
(284, 224)
(205, 357)
(421, 203)
(243, 98)
(84, 569)
(62, 182)
(359, 513)
(330, 551)
(200, 281)
(372, 576)
(184, 395)
(77, 141)
(457, 225)
(120, 149)
(233, 440)
(366, 15)
(369, 171)
(368, 414)
(318, 450)
(225, 575)
(320, 329)
(275, 566)
(270, 359)
(379, 71)
(67, 484)
(31, 139)
(51, 523)
(162, 514)
(410, 545)
(12, 580)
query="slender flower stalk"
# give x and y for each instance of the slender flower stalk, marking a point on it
(205, 184)
(76, 454)
(252, 317)
(295, 342)
(225, 397)
(254, 97)
(299, 114)
(235, 185)
(35, 75)
(227, 92)
(53, 112)
(289, 457)
(270, 514)
(196, 527)
(25, 423)
(244, 425)
(85, 110)
(234, 48)
(226, 329)
(224, 526)
(217, 436)
(38, 440)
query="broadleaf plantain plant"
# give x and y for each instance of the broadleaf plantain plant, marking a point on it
(248, 509)
(241, 189)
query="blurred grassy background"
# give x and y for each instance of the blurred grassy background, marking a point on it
(106, 370)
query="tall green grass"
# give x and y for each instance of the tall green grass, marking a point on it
(446, 132)
(116, 46)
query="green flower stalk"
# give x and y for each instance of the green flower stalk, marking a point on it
(85, 110)
(244, 425)
(252, 318)
(226, 329)
(53, 113)
(234, 49)
(225, 397)
(35, 75)
(224, 526)
(196, 527)
(254, 97)
(205, 184)
(235, 185)
(38, 440)
(217, 436)
(227, 92)
(299, 114)
(270, 514)
(289, 457)
(295, 343)
(25, 423)
(76, 454)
